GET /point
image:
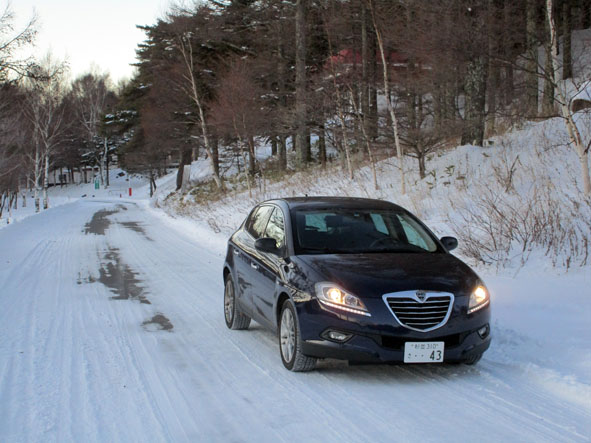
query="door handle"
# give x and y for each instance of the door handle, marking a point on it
(254, 266)
(236, 252)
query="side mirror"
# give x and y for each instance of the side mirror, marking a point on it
(450, 243)
(266, 244)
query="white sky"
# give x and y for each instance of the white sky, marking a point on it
(87, 32)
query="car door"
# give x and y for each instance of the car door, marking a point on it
(249, 274)
(241, 262)
(264, 290)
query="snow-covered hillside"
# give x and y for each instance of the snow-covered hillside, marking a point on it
(530, 172)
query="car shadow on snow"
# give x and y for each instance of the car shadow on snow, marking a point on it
(380, 372)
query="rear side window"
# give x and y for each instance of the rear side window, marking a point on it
(258, 221)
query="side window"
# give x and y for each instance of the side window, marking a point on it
(258, 221)
(275, 228)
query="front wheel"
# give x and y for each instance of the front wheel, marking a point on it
(235, 319)
(290, 342)
(472, 360)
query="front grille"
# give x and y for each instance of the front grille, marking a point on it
(420, 311)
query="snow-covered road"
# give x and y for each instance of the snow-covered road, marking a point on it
(112, 329)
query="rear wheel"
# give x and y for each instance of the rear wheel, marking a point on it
(235, 319)
(290, 342)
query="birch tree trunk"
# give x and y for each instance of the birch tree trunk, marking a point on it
(46, 180)
(37, 177)
(549, 81)
(187, 53)
(399, 152)
(571, 127)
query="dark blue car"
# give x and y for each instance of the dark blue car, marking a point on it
(355, 279)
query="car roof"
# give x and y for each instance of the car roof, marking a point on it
(317, 202)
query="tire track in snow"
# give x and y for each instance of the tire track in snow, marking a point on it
(200, 367)
(48, 391)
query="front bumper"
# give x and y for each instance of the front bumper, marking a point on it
(381, 338)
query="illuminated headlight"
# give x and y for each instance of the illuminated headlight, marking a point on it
(478, 299)
(331, 295)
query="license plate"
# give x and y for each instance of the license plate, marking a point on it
(423, 352)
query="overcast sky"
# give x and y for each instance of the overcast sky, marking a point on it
(100, 32)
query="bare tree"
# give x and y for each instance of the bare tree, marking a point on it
(90, 97)
(338, 99)
(11, 41)
(393, 119)
(191, 35)
(184, 45)
(44, 108)
(238, 112)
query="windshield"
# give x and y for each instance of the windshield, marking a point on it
(351, 231)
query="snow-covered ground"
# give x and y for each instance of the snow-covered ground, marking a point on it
(112, 330)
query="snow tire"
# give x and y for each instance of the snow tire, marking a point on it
(290, 341)
(472, 360)
(235, 319)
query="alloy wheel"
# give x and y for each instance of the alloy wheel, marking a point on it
(229, 302)
(287, 335)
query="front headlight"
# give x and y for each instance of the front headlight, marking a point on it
(331, 295)
(478, 299)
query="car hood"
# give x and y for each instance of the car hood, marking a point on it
(372, 275)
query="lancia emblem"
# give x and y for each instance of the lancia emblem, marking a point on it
(421, 295)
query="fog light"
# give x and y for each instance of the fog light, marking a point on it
(484, 331)
(337, 336)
